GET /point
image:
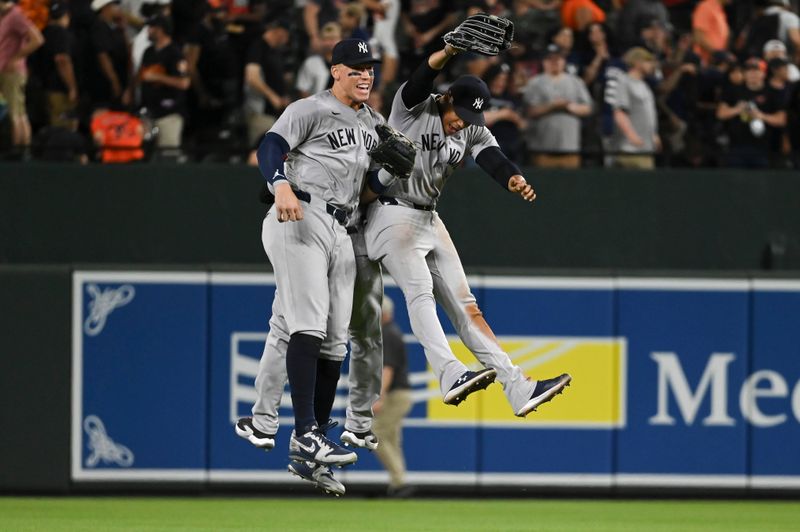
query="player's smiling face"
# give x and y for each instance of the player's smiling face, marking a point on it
(354, 83)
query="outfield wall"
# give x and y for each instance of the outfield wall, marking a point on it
(678, 383)
(613, 219)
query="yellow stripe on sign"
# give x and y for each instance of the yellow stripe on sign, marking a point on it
(595, 398)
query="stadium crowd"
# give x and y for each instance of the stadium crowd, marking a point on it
(624, 83)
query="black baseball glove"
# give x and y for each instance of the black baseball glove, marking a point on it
(395, 152)
(483, 34)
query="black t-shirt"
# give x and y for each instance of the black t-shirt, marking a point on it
(272, 69)
(426, 14)
(57, 40)
(162, 100)
(394, 356)
(111, 40)
(218, 62)
(766, 99)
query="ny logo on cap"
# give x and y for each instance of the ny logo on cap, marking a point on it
(478, 103)
(362, 47)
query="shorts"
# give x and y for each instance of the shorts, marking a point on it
(12, 87)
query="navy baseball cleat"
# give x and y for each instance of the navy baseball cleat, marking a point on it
(245, 429)
(319, 475)
(543, 392)
(365, 440)
(469, 382)
(314, 446)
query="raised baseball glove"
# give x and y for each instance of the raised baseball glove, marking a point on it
(395, 152)
(483, 34)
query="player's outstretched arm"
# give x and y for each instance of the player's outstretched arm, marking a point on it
(505, 172)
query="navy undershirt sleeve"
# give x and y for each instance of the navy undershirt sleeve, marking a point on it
(271, 154)
(419, 86)
(496, 164)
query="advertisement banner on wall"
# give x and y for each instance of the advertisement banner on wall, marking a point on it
(675, 382)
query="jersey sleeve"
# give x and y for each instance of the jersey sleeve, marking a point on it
(297, 122)
(616, 94)
(401, 117)
(479, 139)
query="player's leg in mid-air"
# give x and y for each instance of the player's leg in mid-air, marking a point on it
(401, 238)
(366, 349)
(452, 292)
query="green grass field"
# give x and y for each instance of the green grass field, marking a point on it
(354, 515)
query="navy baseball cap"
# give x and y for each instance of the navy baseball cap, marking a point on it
(353, 52)
(58, 10)
(470, 96)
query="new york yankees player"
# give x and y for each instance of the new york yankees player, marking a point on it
(315, 160)
(405, 232)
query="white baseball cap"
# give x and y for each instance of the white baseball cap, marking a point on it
(97, 5)
(774, 45)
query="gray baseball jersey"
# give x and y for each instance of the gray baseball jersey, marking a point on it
(415, 248)
(313, 258)
(439, 155)
(329, 143)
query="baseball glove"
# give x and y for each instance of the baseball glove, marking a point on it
(395, 152)
(483, 34)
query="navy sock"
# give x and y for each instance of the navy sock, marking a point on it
(301, 367)
(328, 372)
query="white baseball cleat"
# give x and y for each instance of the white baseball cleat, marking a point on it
(543, 392)
(365, 440)
(469, 382)
(245, 429)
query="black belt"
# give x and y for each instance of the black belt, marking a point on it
(340, 215)
(388, 200)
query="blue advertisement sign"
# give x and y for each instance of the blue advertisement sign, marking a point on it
(675, 382)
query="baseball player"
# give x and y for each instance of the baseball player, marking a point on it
(404, 231)
(315, 159)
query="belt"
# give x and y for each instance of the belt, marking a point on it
(340, 215)
(388, 200)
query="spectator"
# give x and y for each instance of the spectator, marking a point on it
(118, 135)
(635, 135)
(213, 68)
(778, 90)
(62, 143)
(593, 62)
(556, 102)
(777, 21)
(315, 72)
(633, 15)
(747, 110)
(776, 49)
(110, 74)
(394, 403)
(19, 38)
(533, 21)
(141, 41)
(266, 94)
(385, 13)
(564, 38)
(502, 115)
(55, 67)
(423, 23)
(710, 28)
(578, 14)
(793, 128)
(679, 93)
(350, 17)
(165, 78)
(316, 14)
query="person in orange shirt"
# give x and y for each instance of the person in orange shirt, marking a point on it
(710, 28)
(578, 14)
